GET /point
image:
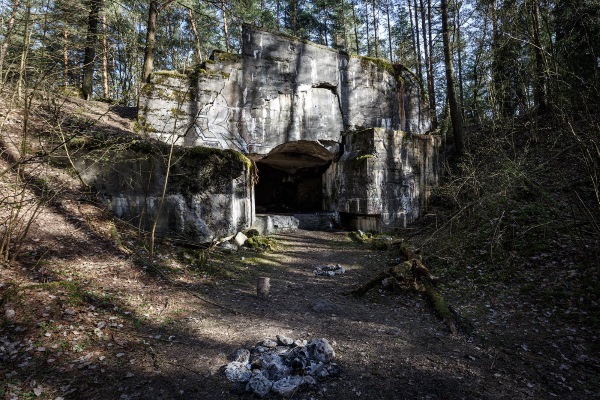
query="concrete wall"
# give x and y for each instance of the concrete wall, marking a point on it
(280, 89)
(209, 193)
(384, 176)
(292, 104)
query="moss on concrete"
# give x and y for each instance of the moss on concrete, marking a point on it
(380, 63)
(224, 56)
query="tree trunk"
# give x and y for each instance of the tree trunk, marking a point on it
(460, 69)
(389, 29)
(431, 83)
(367, 24)
(105, 85)
(325, 32)
(7, 37)
(416, 41)
(344, 26)
(66, 56)
(90, 50)
(355, 28)
(198, 56)
(150, 41)
(412, 29)
(540, 90)
(225, 29)
(24, 55)
(452, 102)
(294, 16)
(428, 67)
(375, 29)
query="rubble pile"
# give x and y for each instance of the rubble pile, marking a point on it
(282, 366)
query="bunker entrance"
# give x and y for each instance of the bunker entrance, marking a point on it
(290, 178)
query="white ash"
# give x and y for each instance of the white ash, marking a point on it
(282, 366)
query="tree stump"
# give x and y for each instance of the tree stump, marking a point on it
(263, 285)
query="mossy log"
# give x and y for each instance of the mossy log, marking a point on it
(439, 305)
(414, 275)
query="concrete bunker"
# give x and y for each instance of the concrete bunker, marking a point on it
(333, 136)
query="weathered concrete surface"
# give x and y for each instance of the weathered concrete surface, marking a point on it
(209, 192)
(272, 224)
(384, 176)
(329, 133)
(280, 90)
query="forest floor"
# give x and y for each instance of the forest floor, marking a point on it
(84, 317)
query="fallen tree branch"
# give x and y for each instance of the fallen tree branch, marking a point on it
(414, 275)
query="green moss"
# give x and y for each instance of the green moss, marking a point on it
(224, 56)
(170, 74)
(142, 126)
(211, 73)
(263, 243)
(147, 89)
(379, 63)
(364, 157)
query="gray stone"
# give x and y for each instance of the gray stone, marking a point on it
(259, 384)
(300, 343)
(284, 340)
(9, 314)
(274, 364)
(318, 221)
(319, 370)
(238, 372)
(239, 239)
(402, 169)
(321, 350)
(309, 381)
(242, 356)
(229, 247)
(270, 343)
(287, 386)
(261, 349)
(281, 96)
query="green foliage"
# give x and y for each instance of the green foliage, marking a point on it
(261, 243)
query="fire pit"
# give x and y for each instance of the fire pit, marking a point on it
(282, 366)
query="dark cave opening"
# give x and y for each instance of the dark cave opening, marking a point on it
(290, 179)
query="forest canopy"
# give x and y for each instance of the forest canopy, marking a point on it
(509, 58)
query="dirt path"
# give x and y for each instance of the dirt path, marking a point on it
(389, 347)
(91, 323)
(81, 318)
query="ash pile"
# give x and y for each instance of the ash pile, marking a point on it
(282, 366)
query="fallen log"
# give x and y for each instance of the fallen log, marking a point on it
(415, 276)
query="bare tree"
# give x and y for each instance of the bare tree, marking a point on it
(452, 102)
(151, 38)
(8, 35)
(90, 49)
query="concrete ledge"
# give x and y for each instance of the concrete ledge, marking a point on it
(319, 221)
(267, 224)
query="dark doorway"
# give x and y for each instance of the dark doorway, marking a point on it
(290, 178)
